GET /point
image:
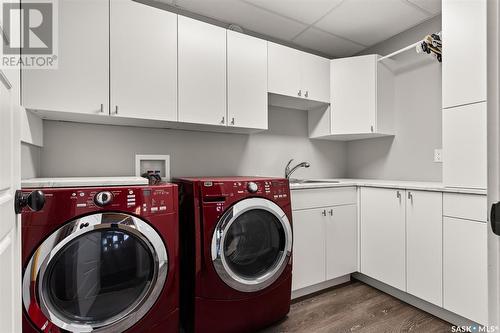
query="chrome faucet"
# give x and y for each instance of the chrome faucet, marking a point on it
(288, 171)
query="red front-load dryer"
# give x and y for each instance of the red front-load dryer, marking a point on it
(236, 246)
(101, 259)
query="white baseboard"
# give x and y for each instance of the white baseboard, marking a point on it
(435, 310)
(320, 286)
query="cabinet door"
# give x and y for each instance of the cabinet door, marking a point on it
(202, 72)
(80, 83)
(383, 235)
(341, 241)
(465, 146)
(465, 274)
(284, 70)
(143, 69)
(246, 81)
(308, 247)
(424, 265)
(353, 94)
(464, 52)
(315, 77)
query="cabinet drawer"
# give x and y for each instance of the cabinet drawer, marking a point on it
(322, 197)
(465, 206)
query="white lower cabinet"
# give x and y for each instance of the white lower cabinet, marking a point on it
(308, 248)
(465, 272)
(325, 238)
(383, 235)
(341, 241)
(424, 232)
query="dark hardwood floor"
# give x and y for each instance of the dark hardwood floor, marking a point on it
(357, 307)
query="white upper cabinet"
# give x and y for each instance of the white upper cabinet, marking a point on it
(143, 61)
(465, 146)
(284, 70)
(362, 101)
(202, 72)
(294, 73)
(246, 81)
(464, 52)
(424, 245)
(354, 94)
(383, 235)
(315, 77)
(80, 83)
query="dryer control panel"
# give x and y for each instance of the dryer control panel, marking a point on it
(139, 200)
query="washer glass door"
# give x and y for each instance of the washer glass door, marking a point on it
(102, 271)
(252, 244)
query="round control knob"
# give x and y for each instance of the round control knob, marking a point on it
(252, 187)
(104, 198)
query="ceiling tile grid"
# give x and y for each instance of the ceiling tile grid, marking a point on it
(337, 28)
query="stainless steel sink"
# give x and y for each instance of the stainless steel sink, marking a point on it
(313, 181)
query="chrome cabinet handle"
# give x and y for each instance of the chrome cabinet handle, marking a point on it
(323, 212)
(116, 109)
(398, 195)
(330, 212)
(306, 94)
(223, 121)
(232, 121)
(101, 110)
(300, 92)
(371, 128)
(410, 196)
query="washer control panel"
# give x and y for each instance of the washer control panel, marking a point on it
(223, 190)
(103, 198)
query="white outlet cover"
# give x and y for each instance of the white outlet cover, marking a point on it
(438, 155)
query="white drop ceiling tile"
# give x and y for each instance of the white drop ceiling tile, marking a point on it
(319, 40)
(369, 22)
(431, 6)
(245, 15)
(304, 11)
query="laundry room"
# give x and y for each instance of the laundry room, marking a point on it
(250, 166)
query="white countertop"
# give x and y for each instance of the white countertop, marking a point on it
(411, 185)
(82, 182)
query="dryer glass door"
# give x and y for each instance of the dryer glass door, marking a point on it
(252, 244)
(102, 271)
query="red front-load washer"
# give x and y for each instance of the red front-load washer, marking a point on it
(101, 259)
(236, 246)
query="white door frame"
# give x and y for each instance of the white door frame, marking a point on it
(493, 17)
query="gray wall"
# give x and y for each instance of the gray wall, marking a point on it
(409, 155)
(72, 149)
(30, 161)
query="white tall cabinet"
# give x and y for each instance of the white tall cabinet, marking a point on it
(202, 72)
(382, 235)
(465, 146)
(143, 80)
(464, 94)
(464, 52)
(80, 83)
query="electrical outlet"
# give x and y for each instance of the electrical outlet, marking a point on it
(438, 155)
